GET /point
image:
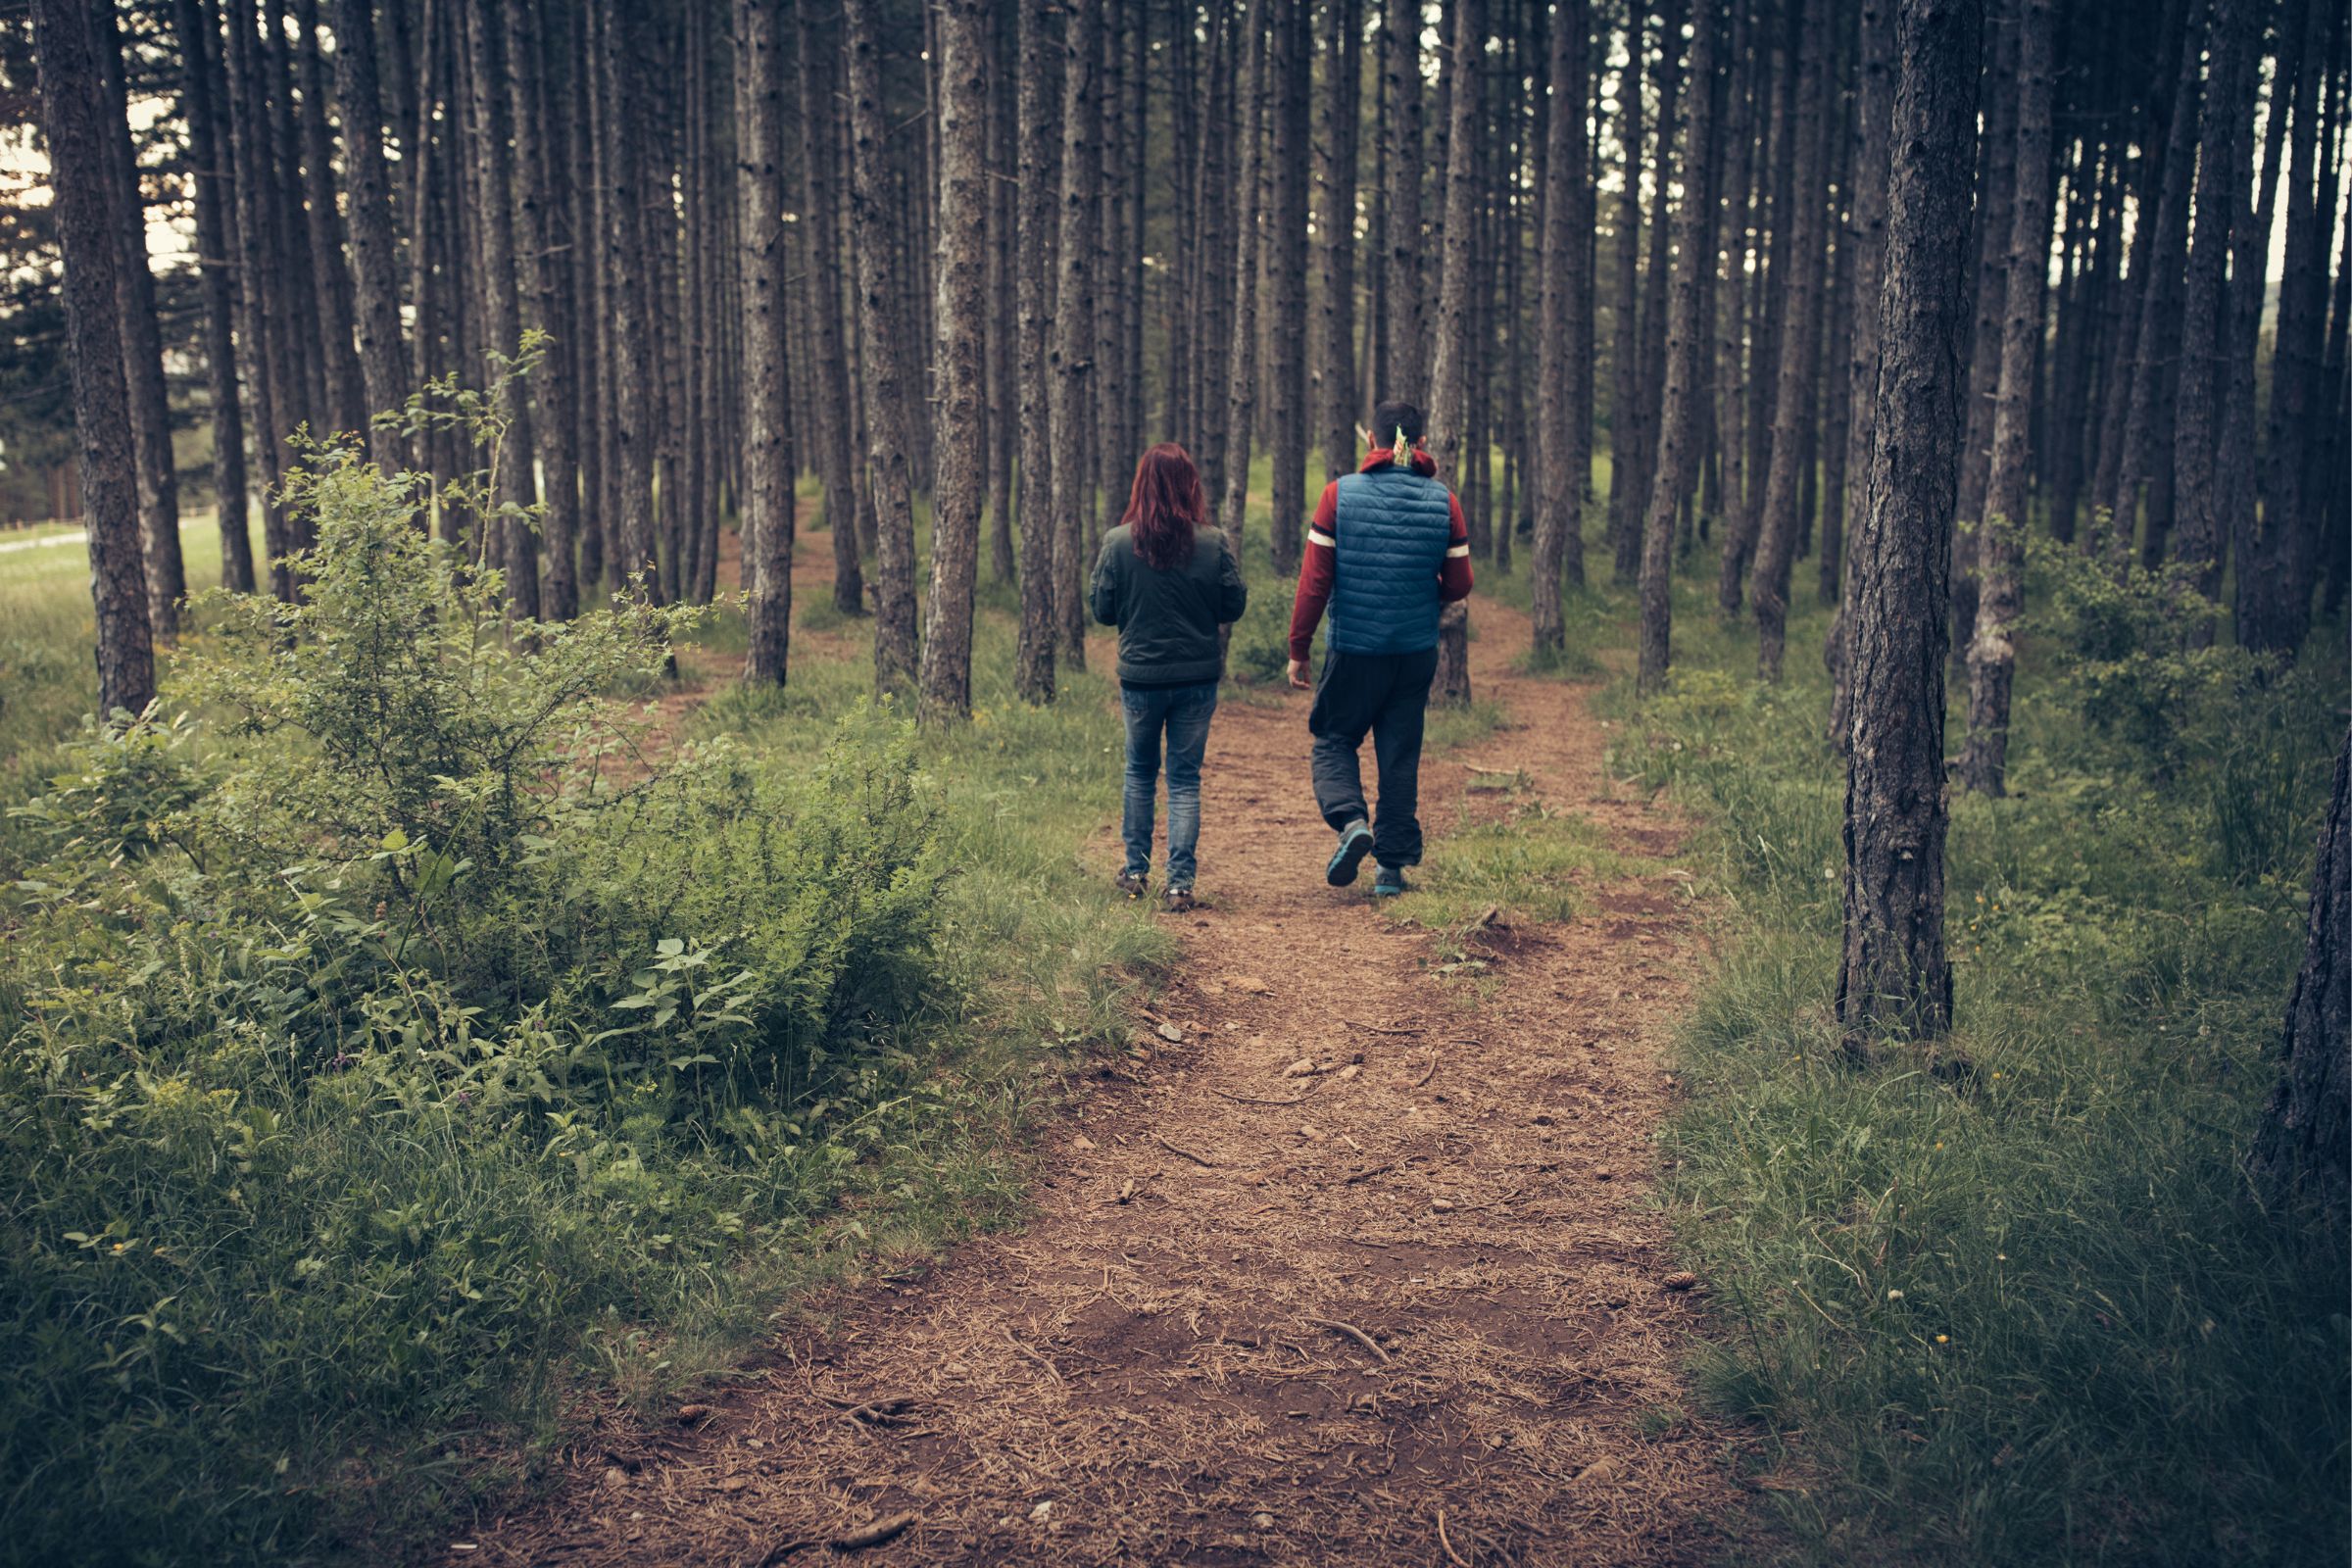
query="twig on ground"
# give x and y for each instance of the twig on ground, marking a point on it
(1377, 1029)
(1013, 1341)
(1367, 1175)
(1431, 1071)
(876, 1412)
(1261, 1100)
(1452, 1555)
(873, 1534)
(1354, 1333)
(1178, 1149)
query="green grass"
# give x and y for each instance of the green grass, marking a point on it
(304, 1320)
(2022, 1310)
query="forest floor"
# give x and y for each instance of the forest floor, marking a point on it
(1412, 1305)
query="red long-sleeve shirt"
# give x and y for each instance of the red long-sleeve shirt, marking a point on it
(1317, 572)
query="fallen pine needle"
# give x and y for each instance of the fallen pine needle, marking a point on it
(1354, 1333)
(1178, 1149)
(1452, 1555)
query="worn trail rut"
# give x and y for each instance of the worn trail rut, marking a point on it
(1410, 1308)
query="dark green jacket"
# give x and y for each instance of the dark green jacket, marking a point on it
(1168, 620)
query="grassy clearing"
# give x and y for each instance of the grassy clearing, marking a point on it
(2021, 1309)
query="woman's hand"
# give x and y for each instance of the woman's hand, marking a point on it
(1299, 674)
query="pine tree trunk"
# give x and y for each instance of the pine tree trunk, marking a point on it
(155, 474)
(888, 393)
(77, 129)
(1650, 374)
(1894, 979)
(2196, 541)
(376, 253)
(1241, 387)
(493, 188)
(1874, 108)
(1294, 88)
(963, 198)
(1340, 104)
(1564, 357)
(1837, 354)
(1406, 313)
(631, 408)
(1686, 344)
(215, 249)
(260, 335)
(2300, 1152)
(2236, 464)
(1801, 274)
(1073, 344)
(346, 389)
(1997, 189)
(2144, 448)
(766, 510)
(1003, 325)
(1034, 661)
(1449, 419)
(2000, 537)
(838, 464)
(1626, 499)
(554, 385)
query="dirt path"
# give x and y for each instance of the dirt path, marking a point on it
(1165, 1365)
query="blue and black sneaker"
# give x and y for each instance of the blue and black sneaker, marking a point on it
(1390, 882)
(1356, 842)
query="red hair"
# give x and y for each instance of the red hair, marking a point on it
(1165, 506)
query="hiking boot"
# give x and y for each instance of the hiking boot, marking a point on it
(1390, 882)
(1180, 900)
(1132, 884)
(1356, 842)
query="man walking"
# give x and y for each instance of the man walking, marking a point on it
(1387, 549)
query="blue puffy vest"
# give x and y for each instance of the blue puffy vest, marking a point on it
(1392, 527)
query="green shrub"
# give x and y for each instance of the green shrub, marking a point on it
(389, 1031)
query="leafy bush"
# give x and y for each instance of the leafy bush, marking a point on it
(388, 1026)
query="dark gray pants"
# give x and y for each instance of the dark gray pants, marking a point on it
(1384, 694)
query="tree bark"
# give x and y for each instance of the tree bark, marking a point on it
(1894, 979)
(837, 466)
(631, 408)
(1034, 657)
(1801, 274)
(517, 546)
(1626, 499)
(1564, 359)
(883, 358)
(376, 253)
(1341, 107)
(1650, 376)
(1449, 373)
(2300, 1152)
(1685, 343)
(346, 391)
(1294, 88)
(554, 386)
(1241, 386)
(2196, 541)
(947, 674)
(1407, 316)
(260, 333)
(766, 511)
(1073, 344)
(1004, 268)
(1874, 108)
(156, 472)
(76, 126)
(1991, 655)
(216, 243)
(1997, 189)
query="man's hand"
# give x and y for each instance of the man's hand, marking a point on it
(1299, 674)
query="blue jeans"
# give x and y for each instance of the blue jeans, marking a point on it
(1184, 712)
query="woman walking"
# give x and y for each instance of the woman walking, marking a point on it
(1167, 582)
